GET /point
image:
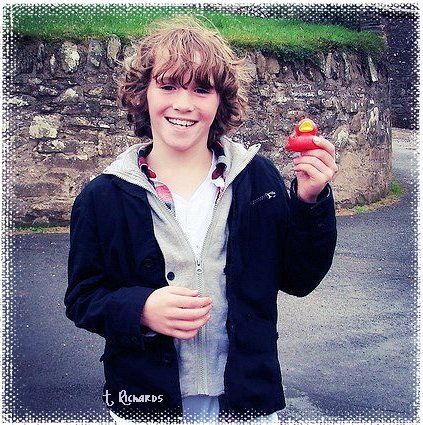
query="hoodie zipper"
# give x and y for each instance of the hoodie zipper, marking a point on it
(200, 272)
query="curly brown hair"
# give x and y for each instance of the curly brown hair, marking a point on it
(192, 50)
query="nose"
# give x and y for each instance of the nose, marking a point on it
(183, 101)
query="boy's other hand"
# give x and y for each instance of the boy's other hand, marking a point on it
(176, 311)
(314, 169)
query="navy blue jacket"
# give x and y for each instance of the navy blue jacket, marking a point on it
(275, 243)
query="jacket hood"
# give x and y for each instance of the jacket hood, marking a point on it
(125, 166)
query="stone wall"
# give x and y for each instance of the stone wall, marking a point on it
(397, 23)
(65, 127)
(399, 27)
(402, 37)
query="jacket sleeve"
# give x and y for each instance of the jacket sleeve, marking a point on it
(92, 301)
(308, 241)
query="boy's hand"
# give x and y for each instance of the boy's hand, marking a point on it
(176, 311)
(314, 169)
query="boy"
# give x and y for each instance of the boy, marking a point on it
(179, 248)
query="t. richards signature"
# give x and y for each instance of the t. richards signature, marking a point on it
(128, 399)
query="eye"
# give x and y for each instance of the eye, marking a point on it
(167, 87)
(202, 90)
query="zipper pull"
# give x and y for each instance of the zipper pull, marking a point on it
(198, 267)
(270, 195)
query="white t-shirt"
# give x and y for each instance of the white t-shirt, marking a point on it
(194, 215)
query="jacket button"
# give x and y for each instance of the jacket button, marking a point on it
(134, 339)
(148, 262)
(171, 275)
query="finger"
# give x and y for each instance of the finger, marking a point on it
(183, 301)
(300, 174)
(189, 325)
(317, 163)
(189, 313)
(319, 177)
(183, 334)
(324, 156)
(325, 144)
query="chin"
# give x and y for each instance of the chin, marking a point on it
(183, 145)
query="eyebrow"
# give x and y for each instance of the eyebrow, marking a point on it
(160, 79)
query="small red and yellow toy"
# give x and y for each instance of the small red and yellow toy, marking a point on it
(302, 139)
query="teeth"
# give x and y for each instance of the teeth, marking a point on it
(183, 123)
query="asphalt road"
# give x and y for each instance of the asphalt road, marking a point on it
(347, 351)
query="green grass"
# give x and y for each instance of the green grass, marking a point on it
(361, 209)
(396, 189)
(30, 229)
(393, 196)
(40, 229)
(290, 38)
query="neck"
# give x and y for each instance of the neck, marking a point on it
(164, 160)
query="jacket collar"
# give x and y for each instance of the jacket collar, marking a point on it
(130, 188)
(125, 167)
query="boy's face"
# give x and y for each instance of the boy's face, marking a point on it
(181, 117)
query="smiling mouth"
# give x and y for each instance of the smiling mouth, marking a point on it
(181, 123)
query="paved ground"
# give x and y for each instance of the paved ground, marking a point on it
(348, 350)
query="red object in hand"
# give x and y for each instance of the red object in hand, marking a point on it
(302, 139)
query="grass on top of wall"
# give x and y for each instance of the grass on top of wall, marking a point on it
(292, 39)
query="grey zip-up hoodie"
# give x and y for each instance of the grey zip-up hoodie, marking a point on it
(202, 359)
